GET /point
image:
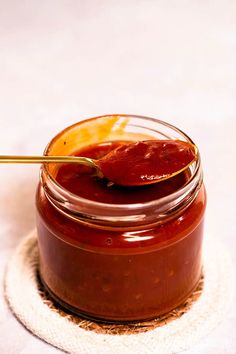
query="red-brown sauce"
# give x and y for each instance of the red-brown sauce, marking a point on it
(118, 275)
(146, 162)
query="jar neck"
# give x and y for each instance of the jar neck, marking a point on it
(119, 216)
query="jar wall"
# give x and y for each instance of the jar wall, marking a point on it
(120, 275)
(105, 261)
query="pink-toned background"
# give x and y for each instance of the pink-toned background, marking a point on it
(62, 61)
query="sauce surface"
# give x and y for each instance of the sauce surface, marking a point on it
(79, 179)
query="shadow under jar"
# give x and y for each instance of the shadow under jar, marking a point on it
(120, 261)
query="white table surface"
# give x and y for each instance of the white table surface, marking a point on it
(62, 61)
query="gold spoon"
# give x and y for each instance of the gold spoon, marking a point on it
(131, 164)
(52, 159)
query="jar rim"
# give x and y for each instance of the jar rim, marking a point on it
(63, 198)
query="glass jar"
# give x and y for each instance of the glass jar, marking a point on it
(119, 262)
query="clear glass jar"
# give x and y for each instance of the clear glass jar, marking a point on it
(119, 262)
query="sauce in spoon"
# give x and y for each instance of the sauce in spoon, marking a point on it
(147, 162)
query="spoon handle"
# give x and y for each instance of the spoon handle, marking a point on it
(48, 159)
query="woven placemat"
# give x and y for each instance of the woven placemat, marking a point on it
(119, 328)
(168, 334)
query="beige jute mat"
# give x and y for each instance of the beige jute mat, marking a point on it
(172, 333)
